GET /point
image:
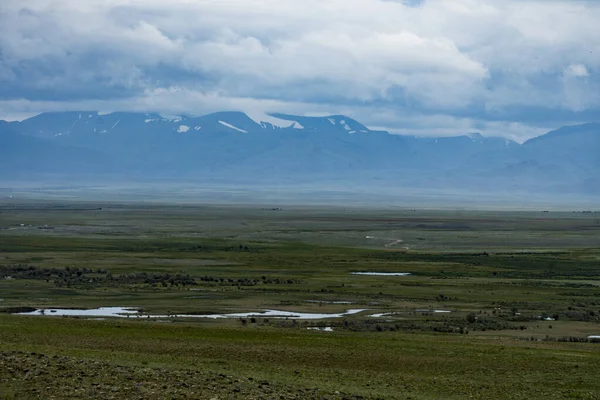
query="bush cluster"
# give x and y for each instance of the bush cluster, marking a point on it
(87, 277)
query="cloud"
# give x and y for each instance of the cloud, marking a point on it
(464, 63)
(577, 70)
(177, 100)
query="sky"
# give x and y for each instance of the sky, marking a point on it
(511, 68)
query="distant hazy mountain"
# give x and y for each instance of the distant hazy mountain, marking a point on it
(233, 147)
(22, 155)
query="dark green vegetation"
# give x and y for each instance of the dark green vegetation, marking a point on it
(523, 290)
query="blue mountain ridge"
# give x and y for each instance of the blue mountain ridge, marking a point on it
(232, 146)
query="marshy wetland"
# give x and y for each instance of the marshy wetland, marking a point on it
(196, 301)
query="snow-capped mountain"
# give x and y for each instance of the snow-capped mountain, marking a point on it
(231, 146)
(78, 122)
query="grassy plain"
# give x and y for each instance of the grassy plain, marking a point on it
(523, 289)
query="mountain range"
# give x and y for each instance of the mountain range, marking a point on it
(234, 147)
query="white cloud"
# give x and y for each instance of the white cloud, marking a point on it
(577, 70)
(175, 101)
(579, 92)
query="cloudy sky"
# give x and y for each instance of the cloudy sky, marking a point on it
(514, 68)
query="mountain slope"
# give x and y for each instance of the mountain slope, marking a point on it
(22, 155)
(232, 146)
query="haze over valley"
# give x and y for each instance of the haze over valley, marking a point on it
(231, 148)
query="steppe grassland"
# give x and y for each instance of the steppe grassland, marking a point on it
(500, 273)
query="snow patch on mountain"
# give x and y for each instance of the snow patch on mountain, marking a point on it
(171, 118)
(183, 128)
(267, 121)
(476, 137)
(232, 127)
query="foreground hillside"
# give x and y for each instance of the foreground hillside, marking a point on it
(102, 300)
(103, 360)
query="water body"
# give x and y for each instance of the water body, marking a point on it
(321, 328)
(95, 312)
(390, 314)
(434, 311)
(381, 273)
(279, 314)
(381, 315)
(121, 312)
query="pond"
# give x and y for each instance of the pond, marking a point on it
(278, 314)
(381, 273)
(320, 328)
(390, 314)
(123, 312)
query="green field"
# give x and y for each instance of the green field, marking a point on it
(520, 291)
